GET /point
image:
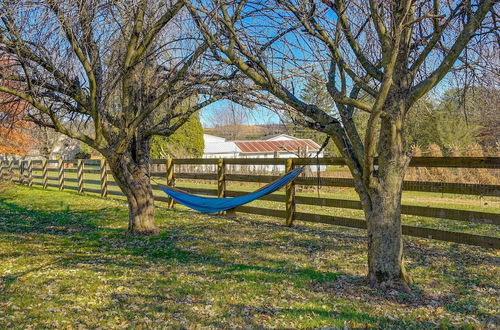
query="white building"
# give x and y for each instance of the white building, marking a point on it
(218, 147)
(277, 146)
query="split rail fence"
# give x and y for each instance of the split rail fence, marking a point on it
(53, 173)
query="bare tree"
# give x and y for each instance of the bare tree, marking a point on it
(46, 140)
(379, 57)
(110, 64)
(228, 121)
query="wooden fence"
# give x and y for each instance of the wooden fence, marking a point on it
(53, 174)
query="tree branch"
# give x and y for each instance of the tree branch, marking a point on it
(460, 43)
(151, 34)
(57, 123)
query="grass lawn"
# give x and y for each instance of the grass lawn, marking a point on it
(65, 261)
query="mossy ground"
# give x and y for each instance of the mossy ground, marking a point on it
(66, 262)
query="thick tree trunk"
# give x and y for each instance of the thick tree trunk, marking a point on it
(380, 194)
(382, 209)
(133, 180)
(385, 244)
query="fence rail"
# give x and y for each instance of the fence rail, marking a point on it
(54, 174)
(458, 162)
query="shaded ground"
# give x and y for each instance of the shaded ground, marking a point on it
(65, 261)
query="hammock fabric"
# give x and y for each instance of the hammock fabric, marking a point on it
(214, 204)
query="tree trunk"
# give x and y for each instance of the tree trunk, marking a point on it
(385, 244)
(133, 180)
(382, 210)
(381, 200)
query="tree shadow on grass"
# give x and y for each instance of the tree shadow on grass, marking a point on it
(21, 220)
(343, 317)
(310, 228)
(456, 253)
(8, 279)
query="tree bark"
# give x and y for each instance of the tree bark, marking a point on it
(133, 179)
(385, 244)
(382, 209)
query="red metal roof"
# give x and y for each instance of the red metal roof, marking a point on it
(280, 145)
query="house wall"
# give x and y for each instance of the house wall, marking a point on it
(276, 168)
(212, 138)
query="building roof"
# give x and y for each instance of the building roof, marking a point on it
(212, 138)
(281, 145)
(220, 148)
(280, 137)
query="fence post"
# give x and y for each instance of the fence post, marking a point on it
(79, 175)
(290, 195)
(20, 167)
(221, 180)
(30, 173)
(45, 179)
(104, 178)
(170, 180)
(275, 170)
(21, 171)
(11, 170)
(60, 172)
(221, 184)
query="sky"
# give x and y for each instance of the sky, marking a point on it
(260, 115)
(257, 116)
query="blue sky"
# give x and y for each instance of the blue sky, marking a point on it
(260, 115)
(256, 116)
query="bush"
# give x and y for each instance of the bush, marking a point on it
(187, 141)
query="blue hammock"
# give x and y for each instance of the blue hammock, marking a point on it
(214, 204)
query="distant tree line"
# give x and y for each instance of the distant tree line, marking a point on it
(453, 122)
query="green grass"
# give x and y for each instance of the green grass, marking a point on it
(65, 261)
